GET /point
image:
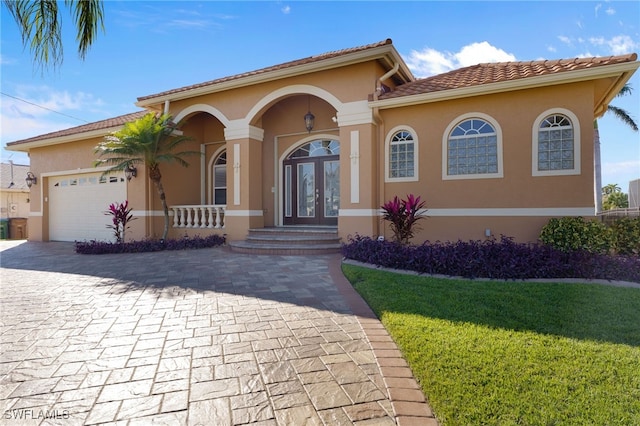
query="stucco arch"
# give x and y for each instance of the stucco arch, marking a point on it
(295, 89)
(202, 108)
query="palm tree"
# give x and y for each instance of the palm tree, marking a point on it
(627, 119)
(149, 141)
(40, 27)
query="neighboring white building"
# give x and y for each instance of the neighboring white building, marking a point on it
(634, 193)
(14, 195)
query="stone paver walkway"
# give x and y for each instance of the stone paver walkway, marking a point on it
(201, 337)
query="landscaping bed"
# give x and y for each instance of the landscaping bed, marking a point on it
(503, 259)
(102, 247)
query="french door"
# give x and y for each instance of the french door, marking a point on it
(312, 190)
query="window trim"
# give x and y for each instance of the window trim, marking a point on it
(212, 164)
(576, 144)
(445, 147)
(387, 155)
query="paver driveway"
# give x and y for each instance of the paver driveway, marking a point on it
(193, 337)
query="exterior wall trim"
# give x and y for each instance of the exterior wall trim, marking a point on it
(243, 213)
(355, 113)
(445, 146)
(494, 212)
(359, 212)
(241, 129)
(577, 146)
(150, 213)
(202, 108)
(355, 167)
(416, 155)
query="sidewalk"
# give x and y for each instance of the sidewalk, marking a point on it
(193, 337)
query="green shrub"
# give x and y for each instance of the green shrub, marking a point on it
(575, 233)
(625, 233)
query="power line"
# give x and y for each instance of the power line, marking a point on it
(43, 107)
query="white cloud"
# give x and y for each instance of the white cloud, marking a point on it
(190, 23)
(566, 40)
(6, 61)
(286, 10)
(429, 61)
(597, 8)
(620, 172)
(618, 45)
(41, 109)
(610, 11)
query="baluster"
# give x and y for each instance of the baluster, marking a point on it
(182, 222)
(210, 217)
(189, 223)
(215, 213)
(175, 217)
(203, 217)
(219, 217)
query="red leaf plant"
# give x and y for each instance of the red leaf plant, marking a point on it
(403, 216)
(121, 216)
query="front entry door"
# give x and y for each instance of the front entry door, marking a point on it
(312, 190)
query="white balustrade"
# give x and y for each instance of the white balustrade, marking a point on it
(198, 216)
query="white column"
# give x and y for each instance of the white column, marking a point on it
(355, 166)
(236, 174)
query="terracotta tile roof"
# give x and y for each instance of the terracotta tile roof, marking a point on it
(498, 72)
(90, 127)
(297, 62)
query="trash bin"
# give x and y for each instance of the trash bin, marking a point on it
(4, 229)
(18, 228)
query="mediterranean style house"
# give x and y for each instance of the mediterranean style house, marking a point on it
(494, 149)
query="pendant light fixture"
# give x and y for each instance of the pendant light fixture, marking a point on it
(309, 118)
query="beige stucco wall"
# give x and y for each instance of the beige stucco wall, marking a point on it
(515, 113)
(71, 158)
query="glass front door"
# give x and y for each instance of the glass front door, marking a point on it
(312, 186)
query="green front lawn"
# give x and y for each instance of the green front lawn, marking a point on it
(512, 353)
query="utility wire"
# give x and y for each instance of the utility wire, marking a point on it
(48, 109)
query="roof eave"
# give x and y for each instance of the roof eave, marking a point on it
(624, 70)
(26, 146)
(603, 103)
(387, 52)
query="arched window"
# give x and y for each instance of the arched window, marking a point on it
(317, 148)
(402, 155)
(473, 149)
(220, 179)
(555, 145)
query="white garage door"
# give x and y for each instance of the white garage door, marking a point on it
(77, 204)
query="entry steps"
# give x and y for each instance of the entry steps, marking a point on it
(289, 240)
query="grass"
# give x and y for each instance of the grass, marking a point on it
(513, 353)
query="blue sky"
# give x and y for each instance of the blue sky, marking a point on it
(152, 46)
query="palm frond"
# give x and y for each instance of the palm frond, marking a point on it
(88, 16)
(39, 27)
(623, 116)
(626, 90)
(147, 141)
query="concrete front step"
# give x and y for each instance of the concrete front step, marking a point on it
(289, 241)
